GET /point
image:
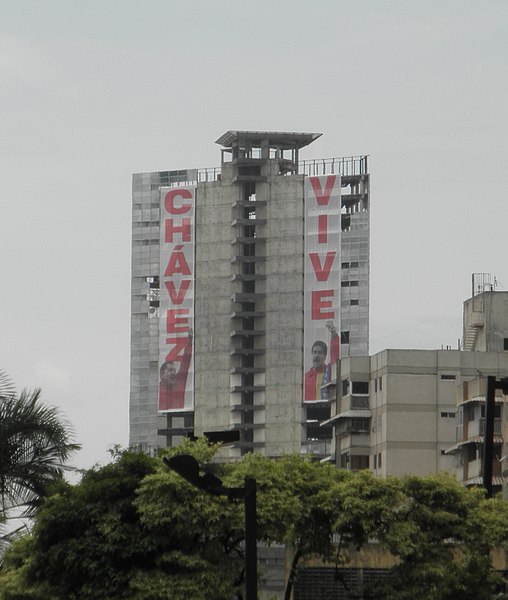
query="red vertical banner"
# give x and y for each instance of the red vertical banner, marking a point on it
(176, 306)
(321, 336)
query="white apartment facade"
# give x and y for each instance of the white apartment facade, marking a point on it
(397, 410)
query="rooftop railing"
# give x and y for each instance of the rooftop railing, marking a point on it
(345, 166)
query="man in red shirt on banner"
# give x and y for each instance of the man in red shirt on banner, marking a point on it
(319, 374)
(172, 384)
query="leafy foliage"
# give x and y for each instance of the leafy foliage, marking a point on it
(135, 530)
(443, 539)
(130, 530)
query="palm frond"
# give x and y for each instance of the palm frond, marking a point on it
(6, 385)
(35, 445)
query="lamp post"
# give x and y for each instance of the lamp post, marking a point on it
(493, 384)
(187, 467)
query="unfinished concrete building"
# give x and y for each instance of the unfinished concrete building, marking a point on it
(245, 227)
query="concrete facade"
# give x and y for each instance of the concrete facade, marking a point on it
(486, 322)
(405, 418)
(248, 328)
(397, 411)
(468, 451)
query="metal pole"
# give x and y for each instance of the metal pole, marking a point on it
(251, 559)
(488, 448)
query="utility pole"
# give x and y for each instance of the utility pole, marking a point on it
(187, 467)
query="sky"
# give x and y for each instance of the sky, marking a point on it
(91, 92)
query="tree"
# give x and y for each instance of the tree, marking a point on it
(135, 530)
(87, 538)
(201, 535)
(443, 538)
(35, 443)
(130, 530)
(289, 511)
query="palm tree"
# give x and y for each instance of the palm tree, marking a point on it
(35, 444)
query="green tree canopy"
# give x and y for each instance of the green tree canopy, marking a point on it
(443, 536)
(136, 530)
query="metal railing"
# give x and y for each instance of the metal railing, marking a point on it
(497, 426)
(353, 425)
(359, 402)
(344, 166)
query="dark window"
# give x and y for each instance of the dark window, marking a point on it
(345, 385)
(360, 387)
(448, 377)
(471, 452)
(359, 462)
(344, 283)
(315, 432)
(344, 337)
(506, 343)
(353, 302)
(380, 383)
(318, 413)
(354, 265)
(353, 283)
(345, 265)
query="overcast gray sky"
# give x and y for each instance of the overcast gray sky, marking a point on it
(93, 91)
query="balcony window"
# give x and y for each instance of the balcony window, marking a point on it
(360, 387)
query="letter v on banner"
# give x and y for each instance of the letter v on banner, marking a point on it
(321, 196)
(176, 302)
(322, 276)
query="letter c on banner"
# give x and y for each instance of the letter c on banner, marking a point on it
(169, 202)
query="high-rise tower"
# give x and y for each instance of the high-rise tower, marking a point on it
(237, 272)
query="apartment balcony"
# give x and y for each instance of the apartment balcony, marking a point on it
(355, 402)
(317, 447)
(360, 440)
(352, 423)
(477, 427)
(477, 439)
(475, 468)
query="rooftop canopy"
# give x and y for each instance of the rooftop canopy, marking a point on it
(279, 139)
